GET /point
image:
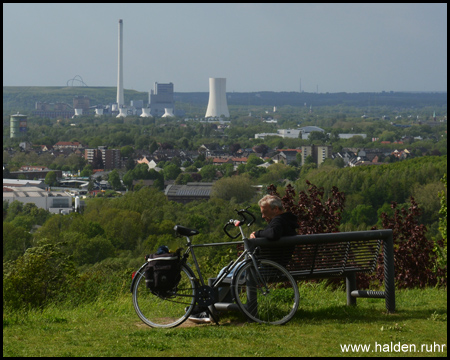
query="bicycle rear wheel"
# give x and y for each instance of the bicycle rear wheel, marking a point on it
(275, 304)
(165, 310)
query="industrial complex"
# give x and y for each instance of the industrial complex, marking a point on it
(160, 100)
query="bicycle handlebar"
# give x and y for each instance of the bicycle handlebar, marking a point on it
(241, 222)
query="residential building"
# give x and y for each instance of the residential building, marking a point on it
(67, 145)
(318, 152)
(103, 158)
(111, 159)
(286, 155)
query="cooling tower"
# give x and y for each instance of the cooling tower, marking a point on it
(98, 112)
(217, 105)
(122, 113)
(168, 113)
(120, 101)
(146, 112)
(78, 112)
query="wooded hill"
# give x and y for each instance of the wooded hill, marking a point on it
(23, 98)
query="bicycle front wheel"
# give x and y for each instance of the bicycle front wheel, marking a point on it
(268, 294)
(167, 309)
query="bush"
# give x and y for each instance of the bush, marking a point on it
(314, 215)
(414, 258)
(441, 248)
(104, 280)
(42, 275)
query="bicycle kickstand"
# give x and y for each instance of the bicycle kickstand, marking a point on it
(213, 313)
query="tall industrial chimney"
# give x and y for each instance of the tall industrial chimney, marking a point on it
(217, 105)
(120, 101)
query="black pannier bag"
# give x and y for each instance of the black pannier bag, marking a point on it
(162, 272)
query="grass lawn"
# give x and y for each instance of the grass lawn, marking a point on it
(321, 327)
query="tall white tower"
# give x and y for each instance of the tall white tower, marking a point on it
(120, 101)
(217, 104)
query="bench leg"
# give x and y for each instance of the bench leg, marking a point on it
(389, 274)
(350, 282)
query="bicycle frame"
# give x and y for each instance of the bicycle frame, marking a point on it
(246, 254)
(228, 268)
(190, 250)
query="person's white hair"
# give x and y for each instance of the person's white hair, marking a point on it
(271, 200)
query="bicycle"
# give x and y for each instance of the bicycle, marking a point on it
(262, 289)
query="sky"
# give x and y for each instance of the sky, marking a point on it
(256, 47)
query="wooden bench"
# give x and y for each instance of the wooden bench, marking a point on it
(334, 255)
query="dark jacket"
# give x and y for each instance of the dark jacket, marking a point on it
(281, 225)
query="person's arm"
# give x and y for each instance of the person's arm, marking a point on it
(273, 231)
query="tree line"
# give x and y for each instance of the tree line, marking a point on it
(77, 258)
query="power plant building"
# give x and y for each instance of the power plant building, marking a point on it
(217, 104)
(81, 103)
(161, 98)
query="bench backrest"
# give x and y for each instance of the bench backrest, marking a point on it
(309, 260)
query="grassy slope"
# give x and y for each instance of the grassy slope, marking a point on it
(323, 322)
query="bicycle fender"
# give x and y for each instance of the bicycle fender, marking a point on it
(135, 276)
(237, 269)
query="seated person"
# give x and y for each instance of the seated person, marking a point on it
(281, 223)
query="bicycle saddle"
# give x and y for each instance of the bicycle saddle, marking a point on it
(185, 231)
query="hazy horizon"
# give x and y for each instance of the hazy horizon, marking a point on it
(332, 48)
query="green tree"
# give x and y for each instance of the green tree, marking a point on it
(183, 179)
(171, 171)
(39, 215)
(87, 171)
(91, 185)
(362, 214)
(16, 240)
(388, 136)
(114, 180)
(142, 142)
(227, 170)
(309, 160)
(318, 136)
(88, 250)
(208, 172)
(126, 151)
(130, 163)
(238, 187)
(153, 146)
(50, 179)
(253, 159)
(12, 209)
